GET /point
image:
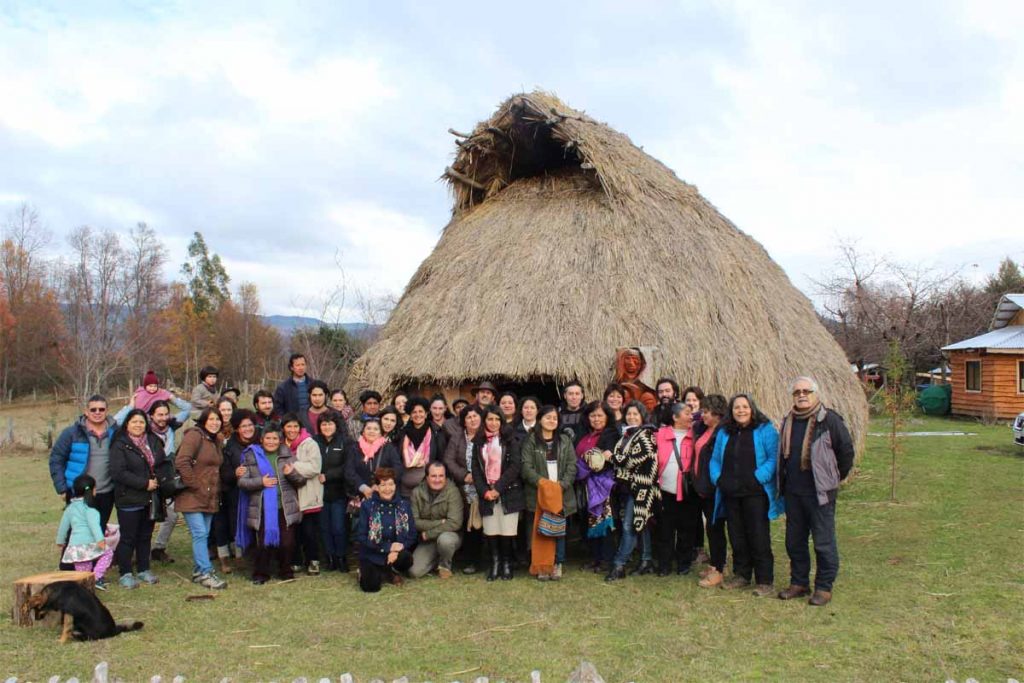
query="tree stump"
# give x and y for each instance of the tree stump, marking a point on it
(30, 585)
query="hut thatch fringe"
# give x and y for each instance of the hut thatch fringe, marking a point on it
(568, 241)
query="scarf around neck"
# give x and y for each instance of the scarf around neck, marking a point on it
(492, 456)
(416, 454)
(369, 450)
(787, 434)
(271, 530)
(142, 443)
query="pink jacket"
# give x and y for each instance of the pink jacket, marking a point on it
(665, 439)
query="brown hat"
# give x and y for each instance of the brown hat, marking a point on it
(484, 386)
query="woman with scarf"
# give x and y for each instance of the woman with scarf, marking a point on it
(419, 446)
(743, 468)
(370, 452)
(458, 459)
(268, 505)
(333, 444)
(311, 493)
(136, 457)
(198, 461)
(713, 408)
(594, 470)
(385, 533)
(635, 459)
(496, 467)
(243, 423)
(548, 455)
(340, 404)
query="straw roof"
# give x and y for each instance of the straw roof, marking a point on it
(567, 241)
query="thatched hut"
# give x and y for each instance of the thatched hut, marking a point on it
(567, 242)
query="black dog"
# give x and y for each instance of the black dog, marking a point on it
(83, 615)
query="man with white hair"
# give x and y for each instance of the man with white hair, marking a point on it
(815, 454)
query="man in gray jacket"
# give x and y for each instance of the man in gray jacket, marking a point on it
(815, 454)
(437, 510)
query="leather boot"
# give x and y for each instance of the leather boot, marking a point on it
(794, 591)
(645, 567)
(492, 545)
(820, 598)
(505, 547)
(341, 564)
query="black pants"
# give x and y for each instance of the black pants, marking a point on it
(372, 575)
(676, 520)
(136, 536)
(308, 548)
(602, 549)
(283, 551)
(750, 536)
(805, 517)
(715, 532)
(472, 545)
(104, 502)
(226, 519)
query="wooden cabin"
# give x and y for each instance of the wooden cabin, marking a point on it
(987, 371)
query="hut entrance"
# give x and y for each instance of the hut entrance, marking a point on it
(544, 388)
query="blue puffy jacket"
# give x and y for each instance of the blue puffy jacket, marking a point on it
(766, 452)
(70, 455)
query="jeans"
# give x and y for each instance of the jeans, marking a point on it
(560, 550)
(334, 528)
(750, 535)
(199, 524)
(629, 537)
(804, 517)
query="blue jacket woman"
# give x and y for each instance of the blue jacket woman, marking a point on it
(766, 449)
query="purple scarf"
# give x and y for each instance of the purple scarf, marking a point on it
(271, 531)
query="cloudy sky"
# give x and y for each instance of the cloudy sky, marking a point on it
(297, 136)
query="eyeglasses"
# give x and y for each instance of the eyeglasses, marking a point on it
(97, 410)
(802, 392)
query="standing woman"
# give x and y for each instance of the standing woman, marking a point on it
(528, 410)
(317, 405)
(226, 409)
(713, 408)
(420, 446)
(340, 404)
(311, 494)
(136, 454)
(333, 523)
(365, 456)
(495, 468)
(548, 454)
(389, 425)
(636, 471)
(693, 396)
(615, 397)
(743, 468)
(225, 522)
(595, 471)
(198, 461)
(679, 511)
(458, 458)
(509, 407)
(439, 414)
(400, 401)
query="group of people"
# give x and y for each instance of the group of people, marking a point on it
(416, 485)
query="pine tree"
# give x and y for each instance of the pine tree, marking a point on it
(207, 278)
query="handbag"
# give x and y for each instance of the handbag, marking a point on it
(551, 525)
(179, 483)
(157, 510)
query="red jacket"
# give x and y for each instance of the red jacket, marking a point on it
(665, 439)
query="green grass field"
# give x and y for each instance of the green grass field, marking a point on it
(930, 588)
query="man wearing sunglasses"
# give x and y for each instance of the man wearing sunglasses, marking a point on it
(84, 448)
(815, 454)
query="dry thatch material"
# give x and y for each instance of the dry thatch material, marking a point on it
(568, 241)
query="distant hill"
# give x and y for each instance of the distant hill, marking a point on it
(286, 324)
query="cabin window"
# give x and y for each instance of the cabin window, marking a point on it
(973, 375)
(1020, 377)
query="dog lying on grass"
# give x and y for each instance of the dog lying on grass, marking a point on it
(83, 616)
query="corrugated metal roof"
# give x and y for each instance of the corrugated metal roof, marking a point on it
(1006, 338)
(1008, 306)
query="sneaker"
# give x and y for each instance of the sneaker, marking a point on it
(444, 572)
(314, 568)
(736, 582)
(102, 585)
(469, 569)
(128, 581)
(149, 577)
(711, 579)
(296, 568)
(543, 577)
(212, 581)
(763, 590)
(557, 574)
(160, 555)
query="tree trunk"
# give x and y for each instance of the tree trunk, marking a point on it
(30, 585)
